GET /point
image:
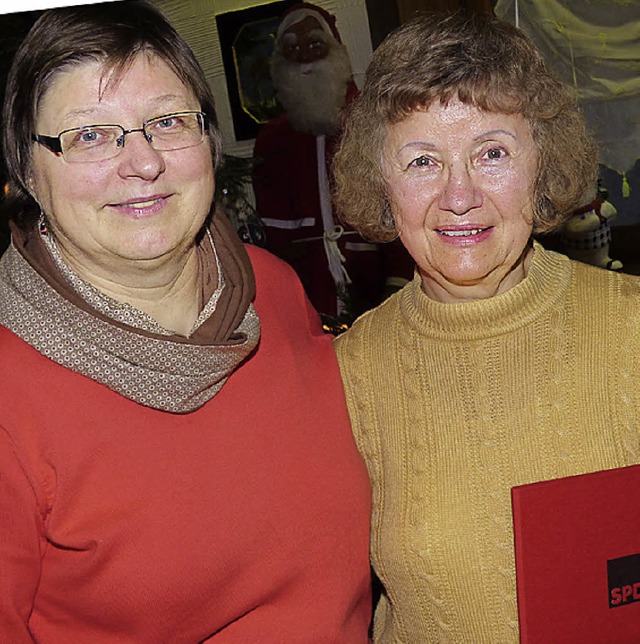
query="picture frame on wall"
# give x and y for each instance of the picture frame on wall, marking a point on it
(247, 38)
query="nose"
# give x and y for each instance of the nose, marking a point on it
(460, 193)
(139, 159)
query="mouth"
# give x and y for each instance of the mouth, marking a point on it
(467, 232)
(142, 207)
(141, 203)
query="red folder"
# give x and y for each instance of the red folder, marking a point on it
(577, 552)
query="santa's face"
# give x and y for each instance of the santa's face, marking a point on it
(310, 71)
(304, 42)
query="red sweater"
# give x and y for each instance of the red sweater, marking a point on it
(245, 521)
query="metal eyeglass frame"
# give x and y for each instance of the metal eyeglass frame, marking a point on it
(54, 143)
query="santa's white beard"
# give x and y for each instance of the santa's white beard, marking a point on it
(313, 94)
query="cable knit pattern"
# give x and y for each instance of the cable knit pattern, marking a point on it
(453, 404)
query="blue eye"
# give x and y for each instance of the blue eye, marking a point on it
(167, 123)
(171, 124)
(88, 137)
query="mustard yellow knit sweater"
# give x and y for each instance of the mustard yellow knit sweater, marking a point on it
(453, 404)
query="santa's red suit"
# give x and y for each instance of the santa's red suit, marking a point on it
(291, 184)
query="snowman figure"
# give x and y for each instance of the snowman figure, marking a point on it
(587, 235)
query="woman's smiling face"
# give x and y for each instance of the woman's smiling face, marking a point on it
(140, 209)
(460, 181)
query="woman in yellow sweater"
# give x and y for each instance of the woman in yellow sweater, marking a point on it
(502, 363)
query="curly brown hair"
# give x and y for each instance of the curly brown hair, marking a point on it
(482, 61)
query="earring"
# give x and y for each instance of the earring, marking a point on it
(42, 223)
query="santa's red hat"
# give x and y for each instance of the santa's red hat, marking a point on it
(302, 10)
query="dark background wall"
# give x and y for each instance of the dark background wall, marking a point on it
(385, 15)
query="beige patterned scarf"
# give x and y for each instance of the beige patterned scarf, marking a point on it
(50, 308)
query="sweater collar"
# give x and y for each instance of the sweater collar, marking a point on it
(547, 280)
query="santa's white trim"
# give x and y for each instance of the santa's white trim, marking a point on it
(289, 224)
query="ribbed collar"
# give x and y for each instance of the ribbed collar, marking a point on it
(545, 284)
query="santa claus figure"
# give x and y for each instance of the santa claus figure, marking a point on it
(311, 73)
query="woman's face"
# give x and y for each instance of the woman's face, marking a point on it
(139, 210)
(460, 182)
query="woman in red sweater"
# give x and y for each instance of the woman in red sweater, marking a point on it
(176, 462)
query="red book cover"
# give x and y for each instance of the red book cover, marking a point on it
(577, 550)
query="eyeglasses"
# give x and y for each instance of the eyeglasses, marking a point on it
(175, 131)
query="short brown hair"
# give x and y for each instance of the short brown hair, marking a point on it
(482, 61)
(112, 33)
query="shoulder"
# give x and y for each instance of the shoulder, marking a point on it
(618, 298)
(630, 287)
(591, 287)
(376, 329)
(604, 310)
(16, 353)
(279, 292)
(40, 378)
(269, 269)
(601, 283)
